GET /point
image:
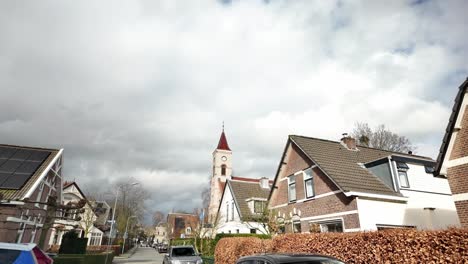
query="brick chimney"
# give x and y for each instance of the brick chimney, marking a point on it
(348, 141)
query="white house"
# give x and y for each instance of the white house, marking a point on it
(72, 193)
(242, 204)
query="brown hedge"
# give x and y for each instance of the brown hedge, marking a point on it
(228, 250)
(390, 246)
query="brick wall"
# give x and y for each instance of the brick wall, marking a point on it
(330, 204)
(460, 147)
(458, 175)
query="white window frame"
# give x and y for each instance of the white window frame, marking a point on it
(292, 181)
(307, 178)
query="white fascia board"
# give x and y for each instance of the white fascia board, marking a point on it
(377, 196)
(10, 202)
(43, 175)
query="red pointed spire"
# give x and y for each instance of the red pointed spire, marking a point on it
(222, 144)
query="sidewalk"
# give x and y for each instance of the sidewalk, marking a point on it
(127, 254)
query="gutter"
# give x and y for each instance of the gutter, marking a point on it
(377, 196)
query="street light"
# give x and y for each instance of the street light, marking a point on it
(125, 234)
(113, 212)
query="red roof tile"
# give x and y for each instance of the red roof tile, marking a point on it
(222, 144)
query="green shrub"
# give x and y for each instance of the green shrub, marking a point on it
(71, 244)
(69, 260)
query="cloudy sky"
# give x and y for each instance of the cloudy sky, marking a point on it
(140, 88)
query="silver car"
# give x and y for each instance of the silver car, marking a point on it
(182, 255)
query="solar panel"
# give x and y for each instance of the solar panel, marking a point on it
(38, 155)
(7, 152)
(10, 166)
(28, 167)
(4, 176)
(17, 165)
(16, 181)
(21, 154)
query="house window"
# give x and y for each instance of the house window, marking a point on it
(259, 207)
(188, 231)
(237, 231)
(223, 170)
(281, 229)
(332, 226)
(253, 231)
(297, 227)
(429, 169)
(403, 179)
(309, 183)
(402, 174)
(292, 188)
(95, 239)
(232, 211)
(227, 212)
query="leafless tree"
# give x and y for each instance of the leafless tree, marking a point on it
(158, 217)
(87, 219)
(381, 138)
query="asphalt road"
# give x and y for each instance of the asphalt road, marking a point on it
(144, 255)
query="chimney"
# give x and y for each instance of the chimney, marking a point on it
(264, 183)
(348, 141)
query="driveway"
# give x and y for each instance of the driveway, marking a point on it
(145, 255)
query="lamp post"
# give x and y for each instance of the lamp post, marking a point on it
(113, 213)
(125, 234)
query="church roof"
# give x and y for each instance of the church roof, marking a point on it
(223, 144)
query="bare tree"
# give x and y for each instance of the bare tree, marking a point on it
(158, 217)
(87, 219)
(381, 138)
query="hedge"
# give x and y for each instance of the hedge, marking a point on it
(389, 246)
(84, 259)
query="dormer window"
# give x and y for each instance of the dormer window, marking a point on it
(259, 207)
(402, 174)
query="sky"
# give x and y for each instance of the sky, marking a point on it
(140, 89)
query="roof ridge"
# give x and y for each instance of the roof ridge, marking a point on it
(28, 147)
(362, 146)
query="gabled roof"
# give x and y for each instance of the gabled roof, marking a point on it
(450, 126)
(33, 181)
(244, 190)
(343, 167)
(67, 185)
(223, 144)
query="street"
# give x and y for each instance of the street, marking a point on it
(143, 255)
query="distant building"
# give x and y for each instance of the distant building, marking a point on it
(243, 206)
(452, 161)
(160, 233)
(28, 177)
(329, 186)
(181, 225)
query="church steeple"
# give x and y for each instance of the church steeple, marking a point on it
(223, 144)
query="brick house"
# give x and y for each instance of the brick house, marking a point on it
(28, 177)
(181, 225)
(242, 204)
(329, 186)
(452, 161)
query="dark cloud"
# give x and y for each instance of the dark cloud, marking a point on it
(139, 89)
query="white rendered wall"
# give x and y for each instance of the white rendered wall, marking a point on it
(230, 226)
(429, 206)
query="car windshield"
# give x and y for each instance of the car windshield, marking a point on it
(8, 256)
(181, 252)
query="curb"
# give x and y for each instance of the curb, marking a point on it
(128, 254)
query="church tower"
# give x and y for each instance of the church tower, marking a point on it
(221, 171)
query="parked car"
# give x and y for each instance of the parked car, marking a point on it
(162, 248)
(288, 258)
(182, 254)
(23, 253)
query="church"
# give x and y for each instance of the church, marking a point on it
(236, 203)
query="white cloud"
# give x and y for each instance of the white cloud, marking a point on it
(141, 88)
